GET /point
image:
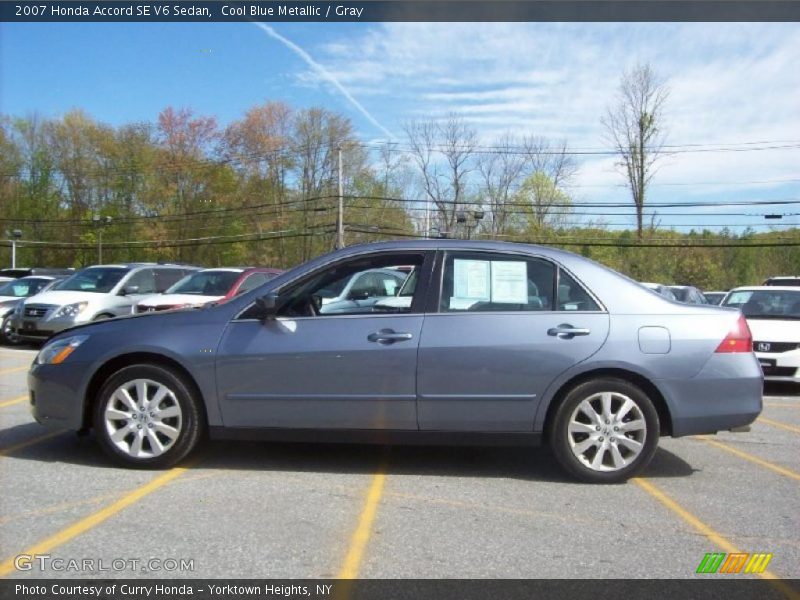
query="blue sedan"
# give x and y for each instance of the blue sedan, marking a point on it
(495, 343)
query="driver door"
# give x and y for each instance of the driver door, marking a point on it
(354, 369)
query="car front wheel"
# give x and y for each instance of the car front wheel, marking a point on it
(147, 416)
(605, 431)
(7, 335)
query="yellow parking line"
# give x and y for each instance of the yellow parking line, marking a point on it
(15, 369)
(40, 438)
(779, 425)
(87, 523)
(781, 405)
(714, 537)
(13, 401)
(753, 459)
(362, 533)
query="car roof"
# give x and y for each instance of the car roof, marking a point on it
(224, 270)
(766, 288)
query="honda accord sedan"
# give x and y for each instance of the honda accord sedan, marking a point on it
(496, 343)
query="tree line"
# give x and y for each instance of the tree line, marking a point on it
(263, 190)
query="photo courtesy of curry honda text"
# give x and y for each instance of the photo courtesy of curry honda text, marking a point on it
(440, 342)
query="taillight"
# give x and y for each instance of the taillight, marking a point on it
(739, 339)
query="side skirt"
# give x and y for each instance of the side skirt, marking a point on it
(382, 437)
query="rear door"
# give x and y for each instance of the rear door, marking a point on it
(505, 326)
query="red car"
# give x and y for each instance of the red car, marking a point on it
(209, 285)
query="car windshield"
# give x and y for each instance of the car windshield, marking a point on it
(22, 288)
(766, 304)
(206, 283)
(99, 280)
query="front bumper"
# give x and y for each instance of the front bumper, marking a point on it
(56, 395)
(780, 366)
(726, 394)
(39, 329)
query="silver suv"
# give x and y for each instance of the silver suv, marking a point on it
(92, 294)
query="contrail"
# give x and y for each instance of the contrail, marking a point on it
(323, 72)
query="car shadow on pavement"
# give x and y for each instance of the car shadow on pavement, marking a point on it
(523, 463)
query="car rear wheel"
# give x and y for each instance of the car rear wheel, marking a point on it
(7, 335)
(147, 416)
(605, 431)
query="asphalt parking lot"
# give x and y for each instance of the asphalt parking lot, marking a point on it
(313, 511)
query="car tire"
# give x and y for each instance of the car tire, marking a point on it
(590, 424)
(156, 433)
(7, 336)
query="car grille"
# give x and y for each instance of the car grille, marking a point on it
(37, 311)
(147, 309)
(774, 346)
(778, 371)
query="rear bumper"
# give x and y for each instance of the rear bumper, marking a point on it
(726, 394)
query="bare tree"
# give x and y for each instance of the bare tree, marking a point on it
(443, 152)
(634, 126)
(500, 173)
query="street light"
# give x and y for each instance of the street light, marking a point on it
(469, 219)
(14, 234)
(100, 222)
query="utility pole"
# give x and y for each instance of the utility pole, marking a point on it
(340, 213)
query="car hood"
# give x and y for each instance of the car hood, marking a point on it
(178, 299)
(61, 298)
(774, 330)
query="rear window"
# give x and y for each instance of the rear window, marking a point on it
(206, 283)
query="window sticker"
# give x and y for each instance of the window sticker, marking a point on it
(470, 280)
(509, 282)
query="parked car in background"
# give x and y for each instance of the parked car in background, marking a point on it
(773, 314)
(660, 289)
(94, 293)
(206, 286)
(12, 294)
(688, 294)
(784, 280)
(714, 297)
(473, 358)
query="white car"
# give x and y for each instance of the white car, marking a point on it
(773, 314)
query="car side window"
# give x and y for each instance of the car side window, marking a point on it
(571, 296)
(144, 280)
(487, 282)
(360, 286)
(166, 278)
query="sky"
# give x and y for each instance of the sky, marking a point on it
(730, 85)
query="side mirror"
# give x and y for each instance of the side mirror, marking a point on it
(267, 305)
(129, 290)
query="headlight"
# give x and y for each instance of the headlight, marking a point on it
(57, 351)
(70, 311)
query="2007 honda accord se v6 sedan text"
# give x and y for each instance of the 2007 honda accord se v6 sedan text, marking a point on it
(466, 342)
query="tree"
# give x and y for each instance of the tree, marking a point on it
(443, 152)
(544, 204)
(634, 125)
(500, 172)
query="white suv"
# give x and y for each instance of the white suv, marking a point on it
(94, 293)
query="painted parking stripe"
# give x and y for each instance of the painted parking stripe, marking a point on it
(39, 438)
(707, 531)
(15, 369)
(96, 518)
(13, 401)
(753, 459)
(779, 425)
(361, 535)
(781, 405)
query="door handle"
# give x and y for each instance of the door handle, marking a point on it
(388, 336)
(565, 331)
